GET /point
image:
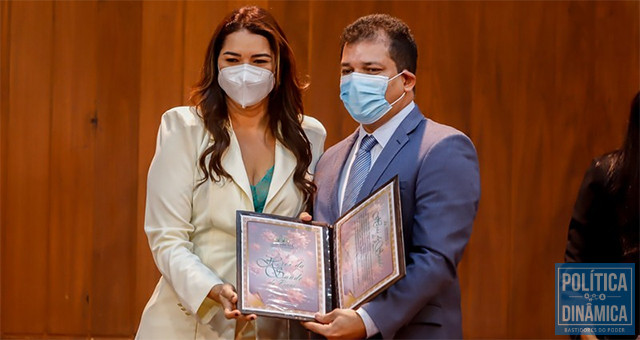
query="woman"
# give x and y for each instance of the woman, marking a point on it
(604, 226)
(244, 146)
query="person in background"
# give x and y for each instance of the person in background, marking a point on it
(604, 226)
(244, 145)
(439, 180)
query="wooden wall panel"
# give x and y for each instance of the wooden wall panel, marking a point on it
(72, 167)
(116, 187)
(444, 31)
(203, 20)
(161, 88)
(293, 18)
(323, 101)
(4, 114)
(552, 98)
(531, 172)
(26, 174)
(485, 275)
(617, 40)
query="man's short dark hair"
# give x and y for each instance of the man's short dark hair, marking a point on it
(402, 47)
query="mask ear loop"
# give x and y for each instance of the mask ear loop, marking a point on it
(396, 76)
(397, 100)
(403, 93)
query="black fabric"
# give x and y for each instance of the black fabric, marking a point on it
(604, 226)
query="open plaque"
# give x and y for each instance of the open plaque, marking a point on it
(291, 269)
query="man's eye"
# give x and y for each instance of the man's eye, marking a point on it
(373, 70)
(345, 72)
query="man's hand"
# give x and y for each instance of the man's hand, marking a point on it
(339, 324)
(226, 295)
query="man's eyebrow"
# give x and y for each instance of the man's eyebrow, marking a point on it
(367, 63)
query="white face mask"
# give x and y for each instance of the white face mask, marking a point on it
(246, 84)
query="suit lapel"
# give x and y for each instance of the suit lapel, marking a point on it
(285, 165)
(399, 138)
(338, 162)
(233, 164)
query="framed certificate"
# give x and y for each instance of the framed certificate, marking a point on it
(282, 268)
(291, 269)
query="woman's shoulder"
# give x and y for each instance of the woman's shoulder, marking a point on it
(604, 165)
(313, 128)
(183, 123)
(186, 116)
(606, 161)
(598, 175)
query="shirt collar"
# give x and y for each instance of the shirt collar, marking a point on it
(384, 133)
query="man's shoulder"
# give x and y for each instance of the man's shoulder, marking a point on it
(427, 131)
(437, 131)
(432, 134)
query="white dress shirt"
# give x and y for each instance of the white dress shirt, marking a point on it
(382, 135)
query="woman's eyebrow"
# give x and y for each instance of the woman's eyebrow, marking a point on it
(232, 53)
(267, 55)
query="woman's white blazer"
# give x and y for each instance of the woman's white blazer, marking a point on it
(192, 229)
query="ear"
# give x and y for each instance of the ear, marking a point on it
(408, 80)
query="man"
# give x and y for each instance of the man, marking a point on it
(439, 183)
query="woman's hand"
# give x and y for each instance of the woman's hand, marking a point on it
(305, 217)
(225, 294)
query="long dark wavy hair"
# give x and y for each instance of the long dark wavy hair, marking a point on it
(284, 110)
(622, 184)
(623, 173)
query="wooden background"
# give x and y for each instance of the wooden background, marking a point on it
(540, 87)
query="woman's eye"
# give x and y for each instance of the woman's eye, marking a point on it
(231, 60)
(260, 61)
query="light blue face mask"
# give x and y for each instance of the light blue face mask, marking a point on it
(363, 96)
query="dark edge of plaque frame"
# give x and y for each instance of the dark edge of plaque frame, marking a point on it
(329, 271)
(239, 252)
(399, 241)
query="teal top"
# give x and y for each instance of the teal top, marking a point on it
(261, 190)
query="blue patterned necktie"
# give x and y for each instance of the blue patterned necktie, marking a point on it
(359, 171)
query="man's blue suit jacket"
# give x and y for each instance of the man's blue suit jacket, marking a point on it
(440, 188)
